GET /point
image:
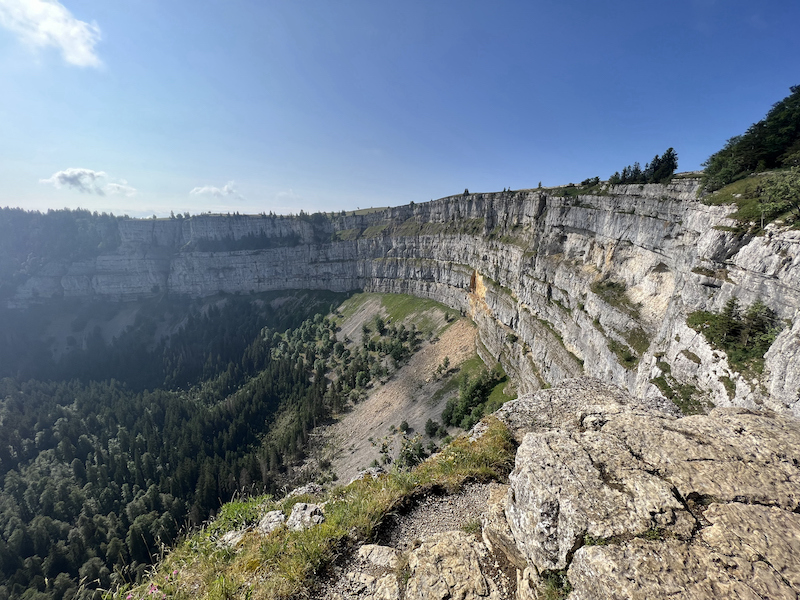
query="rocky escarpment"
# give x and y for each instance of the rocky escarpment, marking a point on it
(559, 286)
(595, 508)
(595, 492)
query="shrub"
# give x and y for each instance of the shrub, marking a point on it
(468, 408)
(744, 335)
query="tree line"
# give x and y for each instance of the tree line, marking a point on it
(658, 170)
(771, 143)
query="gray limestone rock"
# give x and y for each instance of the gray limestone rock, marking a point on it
(309, 489)
(304, 516)
(649, 570)
(379, 556)
(447, 565)
(567, 486)
(366, 586)
(495, 530)
(640, 504)
(369, 473)
(270, 522)
(231, 539)
(524, 265)
(757, 533)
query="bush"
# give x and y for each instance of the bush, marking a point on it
(744, 335)
(431, 428)
(468, 408)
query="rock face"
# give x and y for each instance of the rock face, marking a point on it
(448, 565)
(613, 499)
(599, 285)
(270, 522)
(633, 502)
(304, 516)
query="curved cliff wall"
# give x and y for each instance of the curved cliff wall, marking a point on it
(598, 285)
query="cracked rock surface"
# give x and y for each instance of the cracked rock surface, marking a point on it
(448, 565)
(634, 502)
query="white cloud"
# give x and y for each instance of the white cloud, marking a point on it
(44, 23)
(228, 190)
(83, 180)
(121, 189)
(88, 181)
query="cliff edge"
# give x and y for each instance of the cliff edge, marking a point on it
(561, 284)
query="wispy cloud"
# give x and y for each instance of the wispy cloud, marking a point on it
(43, 23)
(122, 189)
(226, 191)
(88, 181)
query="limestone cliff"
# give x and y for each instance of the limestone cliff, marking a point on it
(559, 286)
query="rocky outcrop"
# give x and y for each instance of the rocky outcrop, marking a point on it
(448, 565)
(611, 498)
(627, 501)
(559, 286)
(270, 522)
(304, 516)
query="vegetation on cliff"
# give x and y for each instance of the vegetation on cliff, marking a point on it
(759, 171)
(658, 170)
(477, 396)
(744, 334)
(29, 240)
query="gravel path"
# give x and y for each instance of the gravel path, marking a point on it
(434, 514)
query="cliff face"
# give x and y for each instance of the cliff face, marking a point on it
(559, 286)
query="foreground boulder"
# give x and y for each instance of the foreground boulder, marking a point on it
(448, 565)
(634, 502)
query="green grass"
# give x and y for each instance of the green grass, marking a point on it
(685, 396)
(346, 235)
(691, 356)
(366, 211)
(472, 527)
(498, 397)
(412, 227)
(285, 563)
(613, 293)
(400, 307)
(730, 386)
(747, 195)
(349, 307)
(624, 354)
(555, 585)
(638, 339)
(374, 231)
(573, 191)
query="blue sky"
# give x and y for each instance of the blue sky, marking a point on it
(147, 106)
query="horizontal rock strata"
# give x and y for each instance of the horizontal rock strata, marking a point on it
(536, 271)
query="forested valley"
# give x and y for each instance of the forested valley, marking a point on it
(109, 451)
